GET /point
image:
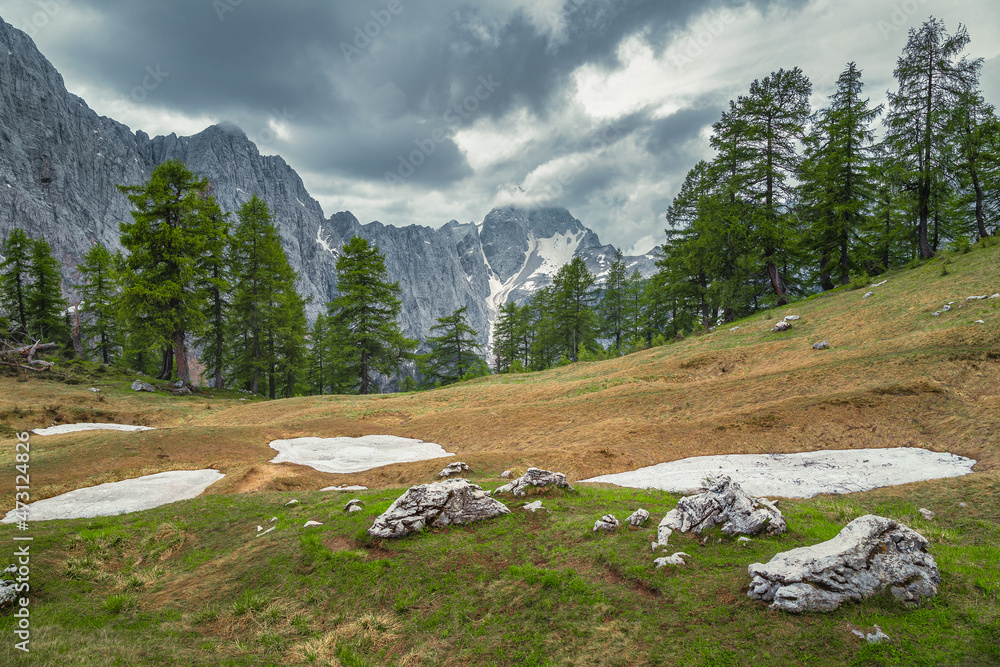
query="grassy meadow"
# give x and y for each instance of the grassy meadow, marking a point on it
(191, 584)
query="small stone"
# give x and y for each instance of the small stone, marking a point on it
(309, 524)
(663, 533)
(792, 318)
(936, 313)
(945, 308)
(265, 532)
(638, 517)
(505, 474)
(926, 513)
(877, 637)
(454, 469)
(867, 294)
(782, 326)
(139, 385)
(354, 508)
(977, 298)
(291, 502)
(858, 633)
(675, 559)
(822, 345)
(345, 487)
(607, 522)
(734, 328)
(94, 389)
(356, 502)
(979, 322)
(726, 503)
(742, 541)
(963, 504)
(260, 528)
(533, 507)
(534, 477)
(995, 296)
(273, 519)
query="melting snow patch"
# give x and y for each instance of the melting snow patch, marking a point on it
(801, 475)
(130, 495)
(72, 428)
(342, 455)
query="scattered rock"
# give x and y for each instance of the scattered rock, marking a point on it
(926, 513)
(676, 559)
(936, 313)
(178, 384)
(354, 508)
(995, 296)
(663, 533)
(95, 390)
(822, 345)
(867, 294)
(742, 541)
(309, 524)
(870, 554)
(264, 532)
(878, 284)
(963, 504)
(607, 522)
(8, 594)
(345, 487)
(454, 469)
(273, 519)
(534, 477)
(505, 474)
(734, 328)
(725, 503)
(453, 501)
(183, 391)
(533, 507)
(977, 298)
(356, 502)
(291, 502)
(945, 308)
(877, 637)
(782, 326)
(979, 322)
(139, 385)
(791, 318)
(638, 517)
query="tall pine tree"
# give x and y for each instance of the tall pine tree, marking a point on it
(454, 351)
(99, 293)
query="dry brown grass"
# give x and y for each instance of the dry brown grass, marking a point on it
(895, 376)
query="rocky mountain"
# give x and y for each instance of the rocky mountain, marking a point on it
(60, 162)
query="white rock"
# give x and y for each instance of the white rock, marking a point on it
(533, 507)
(792, 318)
(675, 559)
(638, 517)
(822, 345)
(945, 308)
(782, 326)
(877, 637)
(139, 385)
(867, 294)
(801, 475)
(354, 508)
(743, 540)
(963, 504)
(265, 532)
(725, 503)
(734, 328)
(505, 474)
(291, 502)
(346, 455)
(454, 469)
(355, 502)
(995, 296)
(260, 528)
(73, 428)
(273, 519)
(345, 487)
(926, 513)
(453, 501)
(936, 313)
(870, 554)
(608, 522)
(94, 389)
(309, 524)
(130, 495)
(977, 298)
(979, 322)
(534, 477)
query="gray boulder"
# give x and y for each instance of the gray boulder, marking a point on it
(454, 469)
(354, 502)
(822, 345)
(727, 504)
(534, 477)
(453, 501)
(139, 385)
(676, 559)
(782, 326)
(638, 517)
(870, 554)
(608, 523)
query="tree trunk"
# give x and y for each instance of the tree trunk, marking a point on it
(180, 354)
(777, 283)
(980, 215)
(166, 364)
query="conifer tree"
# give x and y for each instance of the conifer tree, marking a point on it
(573, 298)
(615, 303)
(215, 279)
(319, 359)
(15, 280)
(171, 231)
(44, 305)
(454, 351)
(364, 315)
(505, 336)
(932, 73)
(976, 156)
(99, 293)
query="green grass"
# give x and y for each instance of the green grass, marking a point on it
(190, 584)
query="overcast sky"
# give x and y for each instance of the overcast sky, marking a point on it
(421, 111)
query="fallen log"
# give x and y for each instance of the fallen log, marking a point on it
(29, 351)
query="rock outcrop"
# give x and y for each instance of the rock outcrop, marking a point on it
(637, 518)
(451, 502)
(139, 385)
(728, 505)
(871, 554)
(607, 523)
(456, 468)
(534, 477)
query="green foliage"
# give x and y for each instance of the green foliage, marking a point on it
(364, 331)
(454, 352)
(99, 293)
(15, 280)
